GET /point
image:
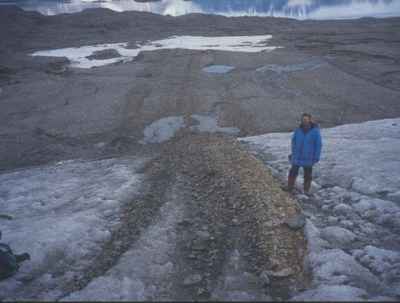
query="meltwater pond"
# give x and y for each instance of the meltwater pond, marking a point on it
(299, 9)
(218, 69)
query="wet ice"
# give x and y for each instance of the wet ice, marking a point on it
(352, 227)
(61, 215)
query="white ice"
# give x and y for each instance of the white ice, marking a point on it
(78, 55)
(61, 215)
(165, 128)
(210, 124)
(144, 271)
(353, 225)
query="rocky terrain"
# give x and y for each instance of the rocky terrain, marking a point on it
(125, 181)
(336, 69)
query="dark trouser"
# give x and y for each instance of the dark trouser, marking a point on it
(293, 173)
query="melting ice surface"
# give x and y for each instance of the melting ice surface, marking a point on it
(300, 9)
(62, 213)
(79, 55)
(353, 223)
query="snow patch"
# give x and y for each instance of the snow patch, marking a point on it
(78, 56)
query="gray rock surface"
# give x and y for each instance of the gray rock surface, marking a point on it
(85, 107)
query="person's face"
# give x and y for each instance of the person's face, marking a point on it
(306, 120)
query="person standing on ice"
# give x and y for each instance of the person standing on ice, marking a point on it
(306, 150)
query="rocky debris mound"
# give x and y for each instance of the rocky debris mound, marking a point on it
(246, 211)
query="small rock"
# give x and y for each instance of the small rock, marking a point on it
(354, 197)
(203, 234)
(199, 245)
(7, 217)
(332, 220)
(264, 277)
(342, 209)
(347, 224)
(296, 222)
(281, 273)
(389, 220)
(363, 205)
(274, 263)
(192, 279)
(369, 214)
(100, 144)
(302, 197)
(57, 66)
(201, 291)
(325, 207)
(26, 278)
(104, 54)
(346, 198)
(394, 196)
(185, 222)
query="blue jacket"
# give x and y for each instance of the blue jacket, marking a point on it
(306, 146)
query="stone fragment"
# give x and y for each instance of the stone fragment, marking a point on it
(192, 279)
